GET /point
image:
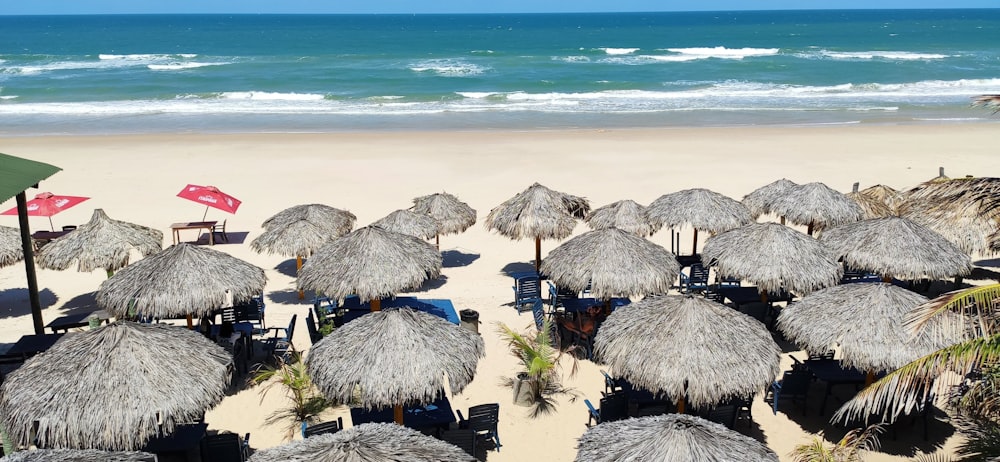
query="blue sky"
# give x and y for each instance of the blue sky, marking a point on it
(450, 6)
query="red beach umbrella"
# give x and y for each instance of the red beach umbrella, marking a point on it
(47, 204)
(211, 197)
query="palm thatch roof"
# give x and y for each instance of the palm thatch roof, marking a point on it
(370, 442)
(77, 455)
(816, 205)
(293, 239)
(888, 196)
(773, 257)
(963, 210)
(409, 222)
(337, 222)
(896, 247)
(673, 437)
(183, 279)
(114, 387)
(759, 200)
(537, 213)
(626, 215)
(11, 250)
(865, 319)
(394, 357)
(684, 344)
(988, 101)
(613, 263)
(370, 262)
(703, 209)
(871, 206)
(453, 216)
(100, 243)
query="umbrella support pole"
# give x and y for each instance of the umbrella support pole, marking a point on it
(869, 378)
(680, 405)
(51, 226)
(376, 304)
(437, 242)
(694, 244)
(958, 282)
(538, 254)
(190, 322)
(29, 264)
(298, 269)
(782, 220)
(397, 414)
(809, 229)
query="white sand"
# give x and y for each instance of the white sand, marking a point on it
(136, 178)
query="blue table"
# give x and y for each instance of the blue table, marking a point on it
(578, 305)
(32, 344)
(183, 442)
(831, 372)
(437, 306)
(437, 414)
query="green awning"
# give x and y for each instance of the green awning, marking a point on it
(17, 175)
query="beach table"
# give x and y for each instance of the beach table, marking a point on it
(742, 295)
(182, 444)
(70, 321)
(32, 344)
(580, 305)
(437, 415)
(833, 373)
(440, 307)
(176, 229)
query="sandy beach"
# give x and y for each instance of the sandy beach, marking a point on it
(136, 178)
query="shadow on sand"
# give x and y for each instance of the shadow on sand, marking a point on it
(517, 267)
(454, 258)
(288, 268)
(14, 302)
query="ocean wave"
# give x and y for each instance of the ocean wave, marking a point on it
(724, 53)
(448, 67)
(619, 51)
(270, 96)
(8, 97)
(571, 59)
(889, 55)
(180, 66)
(145, 57)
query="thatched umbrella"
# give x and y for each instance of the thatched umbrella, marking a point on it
(673, 437)
(896, 247)
(866, 320)
(301, 230)
(685, 345)
(888, 196)
(100, 243)
(10, 246)
(182, 280)
(371, 263)
(370, 442)
(817, 206)
(963, 210)
(114, 387)
(703, 209)
(409, 222)
(759, 200)
(871, 206)
(453, 216)
(394, 357)
(537, 213)
(625, 215)
(613, 262)
(77, 455)
(773, 257)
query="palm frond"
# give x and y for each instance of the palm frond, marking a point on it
(904, 389)
(982, 440)
(979, 305)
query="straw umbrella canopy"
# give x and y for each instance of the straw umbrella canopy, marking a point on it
(100, 243)
(625, 215)
(817, 206)
(896, 247)
(182, 280)
(77, 455)
(703, 209)
(759, 200)
(453, 216)
(684, 345)
(114, 387)
(10, 246)
(673, 437)
(963, 210)
(871, 206)
(537, 213)
(338, 222)
(888, 196)
(867, 320)
(394, 357)
(409, 222)
(370, 442)
(773, 257)
(371, 263)
(613, 262)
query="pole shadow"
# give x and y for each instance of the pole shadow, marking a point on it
(14, 302)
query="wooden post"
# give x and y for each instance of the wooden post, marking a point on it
(763, 295)
(870, 377)
(298, 269)
(397, 414)
(809, 230)
(437, 242)
(190, 321)
(694, 244)
(376, 304)
(887, 279)
(782, 219)
(680, 405)
(538, 254)
(29, 264)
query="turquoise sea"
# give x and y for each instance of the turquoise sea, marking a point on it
(319, 73)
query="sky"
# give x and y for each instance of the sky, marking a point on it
(13, 7)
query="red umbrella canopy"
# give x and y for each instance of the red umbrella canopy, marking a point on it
(47, 204)
(211, 197)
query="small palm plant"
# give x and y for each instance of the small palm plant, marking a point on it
(542, 373)
(307, 403)
(850, 448)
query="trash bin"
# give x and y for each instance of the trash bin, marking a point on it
(470, 320)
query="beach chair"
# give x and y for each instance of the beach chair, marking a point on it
(280, 345)
(593, 415)
(724, 413)
(527, 290)
(614, 407)
(794, 385)
(220, 230)
(332, 426)
(483, 419)
(225, 447)
(464, 438)
(696, 281)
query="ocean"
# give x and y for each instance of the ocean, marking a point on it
(325, 73)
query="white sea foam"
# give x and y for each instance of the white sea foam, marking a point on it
(8, 97)
(448, 67)
(270, 96)
(180, 66)
(619, 51)
(572, 59)
(889, 55)
(476, 94)
(724, 53)
(146, 57)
